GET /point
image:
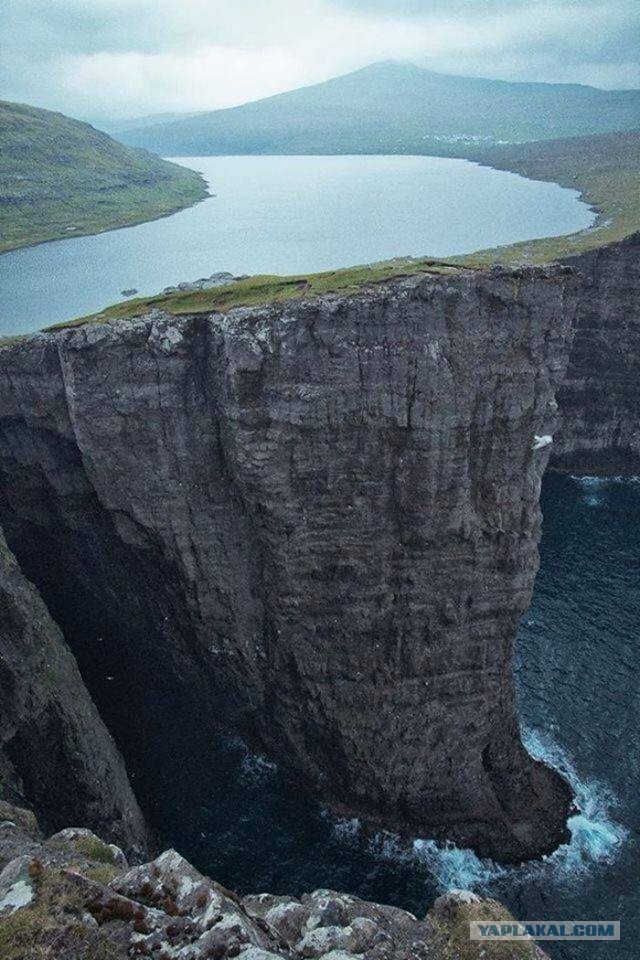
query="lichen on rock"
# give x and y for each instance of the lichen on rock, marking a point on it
(167, 910)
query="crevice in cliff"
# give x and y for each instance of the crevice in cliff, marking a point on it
(117, 606)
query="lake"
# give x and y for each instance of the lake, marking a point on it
(288, 215)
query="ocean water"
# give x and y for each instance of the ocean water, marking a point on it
(287, 215)
(578, 672)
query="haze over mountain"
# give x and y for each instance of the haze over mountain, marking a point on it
(395, 107)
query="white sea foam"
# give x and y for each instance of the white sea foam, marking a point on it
(589, 481)
(347, 829)
(595, 487)
(256, 767)
(456, 868)
(595, 835)
(595, 838)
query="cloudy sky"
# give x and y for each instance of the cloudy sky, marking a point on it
(119, 58)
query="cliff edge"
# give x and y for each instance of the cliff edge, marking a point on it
(75, 897)
(319, 521)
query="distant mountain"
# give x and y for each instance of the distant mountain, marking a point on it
(60, 177)
(395, 108)
(118, 126)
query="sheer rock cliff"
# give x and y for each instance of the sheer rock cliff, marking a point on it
(55, 751)
(599, 399)
(318, 521)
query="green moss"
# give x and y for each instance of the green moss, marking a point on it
(52, 926)
(92, 848)
(456, 941)
(50, 677)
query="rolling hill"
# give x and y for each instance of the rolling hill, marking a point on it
(60, 177)
(395, 108)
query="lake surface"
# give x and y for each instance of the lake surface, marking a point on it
(238, 819)
(287, 215)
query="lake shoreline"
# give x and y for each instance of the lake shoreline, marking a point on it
(288, 217)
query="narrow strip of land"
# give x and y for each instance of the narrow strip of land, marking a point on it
(604, 169)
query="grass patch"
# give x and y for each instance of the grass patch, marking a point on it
(260, 290)
(51, 927)
(455, 934)
(103, 874)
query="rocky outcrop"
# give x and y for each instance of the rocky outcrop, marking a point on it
(599, 399)
(78, 896)
(317, 520)
(55, 751)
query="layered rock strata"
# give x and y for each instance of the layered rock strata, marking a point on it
(318, 520)
(600, 397)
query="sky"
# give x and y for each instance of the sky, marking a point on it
(103, 59)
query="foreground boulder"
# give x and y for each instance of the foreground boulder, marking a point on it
(73, 897)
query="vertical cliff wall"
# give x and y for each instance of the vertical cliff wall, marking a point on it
(55, 752)
(319, 521)
(599, 430)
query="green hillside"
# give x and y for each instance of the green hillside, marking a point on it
(605, 169)
(61, 178)
(395, 108)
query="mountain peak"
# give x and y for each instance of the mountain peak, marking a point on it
(396, 106)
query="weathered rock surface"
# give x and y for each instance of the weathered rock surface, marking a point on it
(204, 283)
(55, 751)
(76, 894)
(320, 520)
(600, 397)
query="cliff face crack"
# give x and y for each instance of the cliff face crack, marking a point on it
(316, 523)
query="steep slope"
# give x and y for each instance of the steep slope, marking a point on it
(55, 752)
(395, 108)
(321, 520)
(60, 177)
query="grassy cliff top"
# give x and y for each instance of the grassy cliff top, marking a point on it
(264, 289)
(61, 178)
(605, 169)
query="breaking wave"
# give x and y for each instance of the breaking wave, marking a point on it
(596, 838)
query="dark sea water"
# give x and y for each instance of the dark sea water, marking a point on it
(287, 215)
(578, 669)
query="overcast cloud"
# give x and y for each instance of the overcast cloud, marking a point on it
(119, 58)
